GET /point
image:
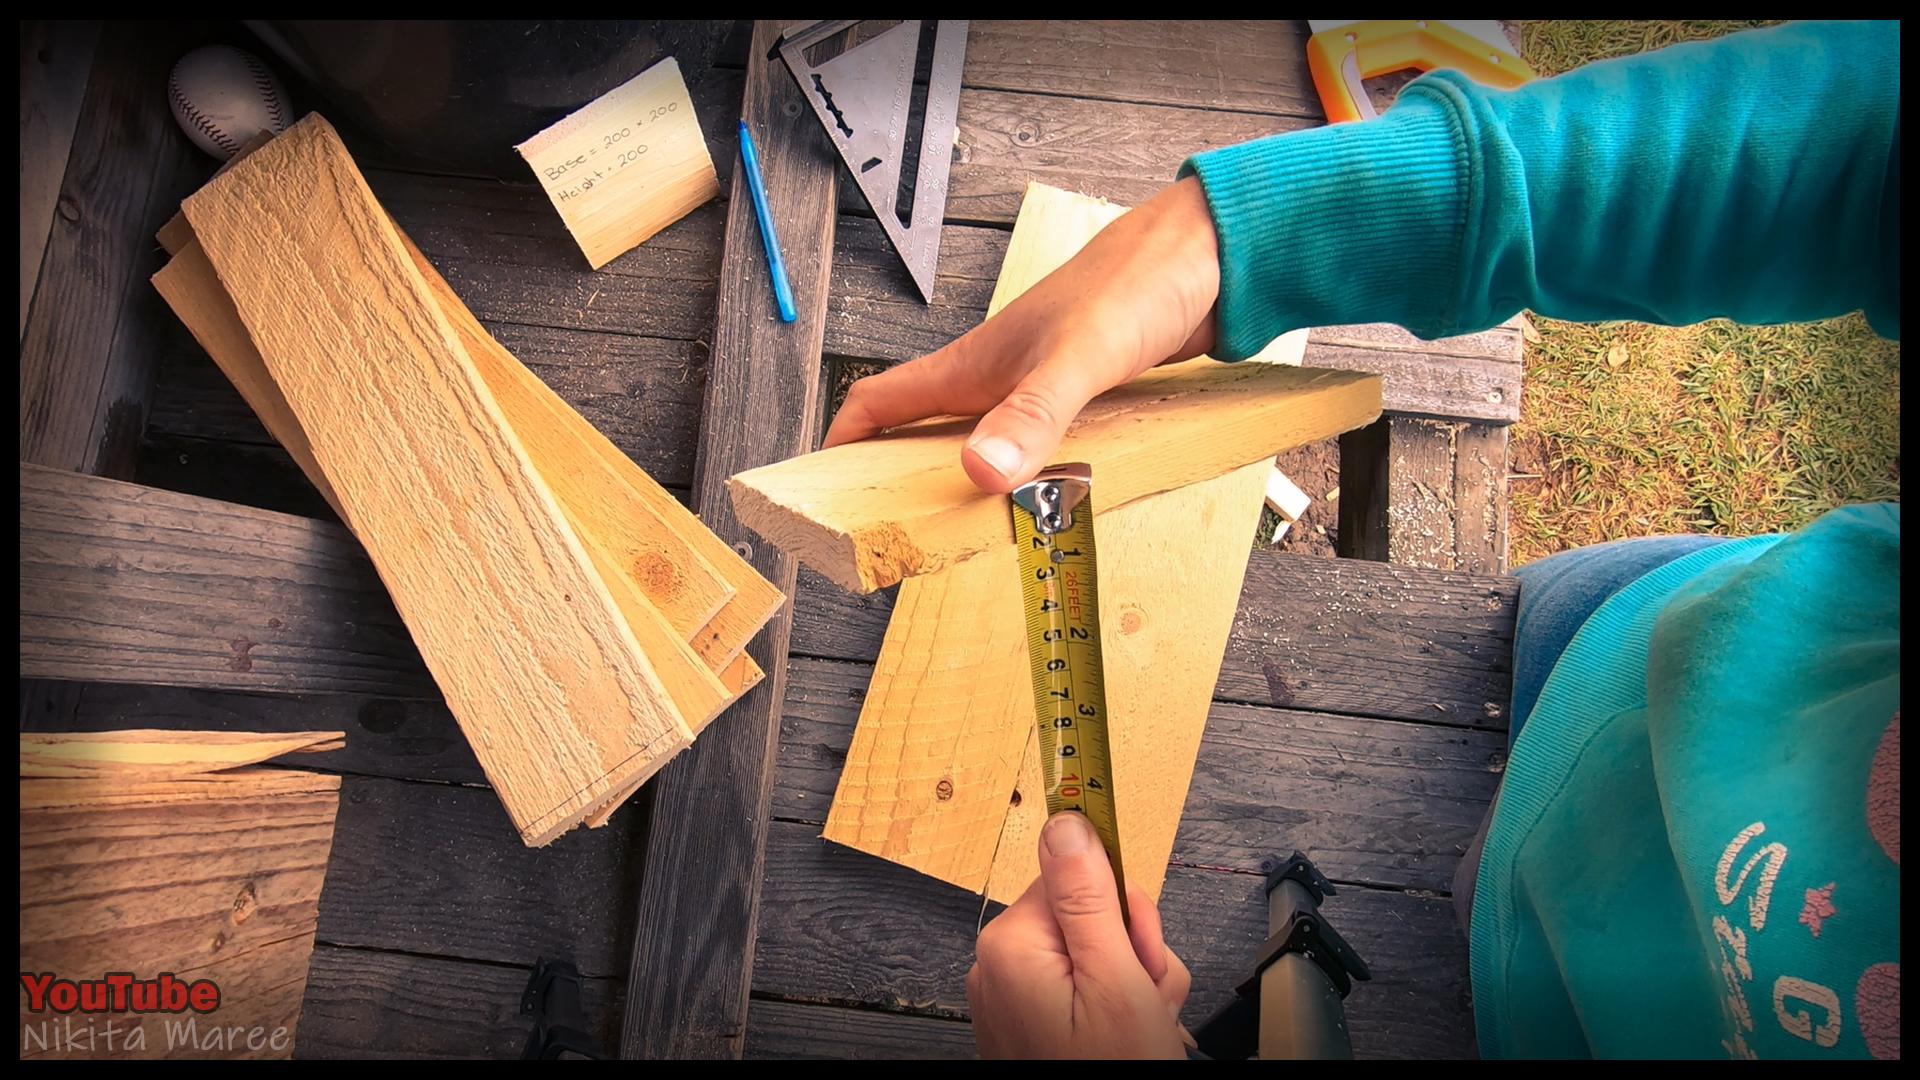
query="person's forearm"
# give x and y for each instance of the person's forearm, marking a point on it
(1755, 177)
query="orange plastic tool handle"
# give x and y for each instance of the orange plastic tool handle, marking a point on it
(1341, 57)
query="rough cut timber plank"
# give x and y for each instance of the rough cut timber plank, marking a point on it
(394, 737)
(631, 525)
(556, 695)
(870, 513)
(219, 881)
(701, 879)
(123, 583)
(192, 289)
(152, 754)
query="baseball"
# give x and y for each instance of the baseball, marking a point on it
(222, 97)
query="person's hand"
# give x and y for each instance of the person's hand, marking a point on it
(1059, 975)
(1140, 293)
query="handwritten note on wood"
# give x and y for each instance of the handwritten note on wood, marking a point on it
(628, 165)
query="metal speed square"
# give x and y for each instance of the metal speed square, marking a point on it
(864, 99)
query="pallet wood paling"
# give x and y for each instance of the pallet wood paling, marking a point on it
(534, 655)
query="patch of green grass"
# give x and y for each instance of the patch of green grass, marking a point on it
(1635, 430)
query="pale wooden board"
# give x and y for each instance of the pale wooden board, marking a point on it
(871, 513)
(1169, 582)
(943, 771)
(641, 540)
(627, 165)
(520, 633)
(220, 881)
(190, 286)
(702, 587)
(945, 737)
(160, 755)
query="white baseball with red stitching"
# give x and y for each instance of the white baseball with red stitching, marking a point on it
(223, 96)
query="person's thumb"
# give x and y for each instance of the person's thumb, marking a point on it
(1082, 895)
(1017, 438)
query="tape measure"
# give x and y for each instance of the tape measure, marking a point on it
(1060, 590)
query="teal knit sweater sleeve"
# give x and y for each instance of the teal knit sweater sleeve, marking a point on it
(1755, 177)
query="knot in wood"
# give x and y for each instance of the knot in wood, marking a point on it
(943, 790)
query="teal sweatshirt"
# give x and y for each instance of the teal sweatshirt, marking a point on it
(1696, 847)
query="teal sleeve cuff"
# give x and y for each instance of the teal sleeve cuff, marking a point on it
(1353, 223)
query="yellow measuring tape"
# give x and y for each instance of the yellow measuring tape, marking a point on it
(1059, 581)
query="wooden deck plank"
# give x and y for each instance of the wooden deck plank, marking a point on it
(1349, 637)
(88, 348)
(790, 1030)
(1240, 66)
(56, 59)
(700, 877)
(838, 926)
(439, 869)
(364, 1003)
(1379, 802)
(124, 583)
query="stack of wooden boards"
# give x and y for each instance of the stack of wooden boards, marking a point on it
(943, 774)
(172, 851)
(583, 624)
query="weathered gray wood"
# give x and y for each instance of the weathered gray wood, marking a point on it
(841, 926)
(790, 1029)
(87, 351)
(437, 868)
(244, 473)
(56, 58)
(363, 1003)
(123, 583)
(1425, 493)
(1430, 385)
(642, 393)
(1374, 801)
(402, 738)
(1115, 151)
(700, 881)
(1338, 636)
(1242, 66)
(1480, 499)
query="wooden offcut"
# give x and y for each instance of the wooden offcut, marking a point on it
(559, 701)
(150, 852)
(943, 772)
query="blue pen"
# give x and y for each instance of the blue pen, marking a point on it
(782, 295)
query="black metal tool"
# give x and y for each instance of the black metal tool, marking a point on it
(552, 998)
(864, 99)
(1293, 1006)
